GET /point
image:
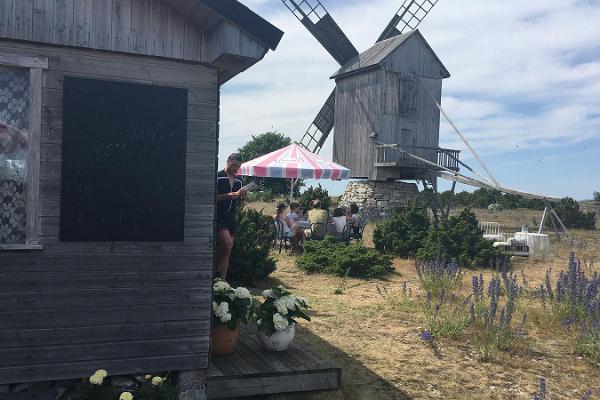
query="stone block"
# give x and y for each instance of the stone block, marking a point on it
(192, 385)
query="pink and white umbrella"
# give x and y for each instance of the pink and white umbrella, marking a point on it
(293, 162)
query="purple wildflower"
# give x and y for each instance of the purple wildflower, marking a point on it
(587, 395)
(541, 394)
(426, 336)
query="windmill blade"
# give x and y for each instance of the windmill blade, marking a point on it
(317, 20)
(319, 129)
(408, 17)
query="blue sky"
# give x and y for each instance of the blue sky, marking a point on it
(525, 85)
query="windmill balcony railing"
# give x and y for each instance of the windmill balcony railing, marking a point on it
(446, 158)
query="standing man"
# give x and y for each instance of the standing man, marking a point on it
(228, 197)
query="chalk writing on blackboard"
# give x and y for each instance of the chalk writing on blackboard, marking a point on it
(123, 172)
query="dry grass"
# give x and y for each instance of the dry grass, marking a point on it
(377, 343)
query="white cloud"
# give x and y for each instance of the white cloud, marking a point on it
(523, 73)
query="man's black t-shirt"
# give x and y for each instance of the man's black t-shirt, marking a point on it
(226, 209)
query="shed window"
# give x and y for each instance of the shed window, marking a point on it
(20, 131)
(14, 142)
(407, 98)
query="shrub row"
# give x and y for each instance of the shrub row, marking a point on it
(411, 234)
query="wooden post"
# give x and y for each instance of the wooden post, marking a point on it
(559, 220)
(450, 199)
(541, 228)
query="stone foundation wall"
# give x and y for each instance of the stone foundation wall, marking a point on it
(383, 196)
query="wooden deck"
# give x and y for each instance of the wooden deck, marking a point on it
(251, 370)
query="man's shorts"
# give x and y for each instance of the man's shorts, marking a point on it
(226, 222)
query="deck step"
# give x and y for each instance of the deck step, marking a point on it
(252, 371)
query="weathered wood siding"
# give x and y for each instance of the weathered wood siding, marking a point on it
(417, 123)
(358, 111)
(166, 28)
(396, 108)
(74, 307)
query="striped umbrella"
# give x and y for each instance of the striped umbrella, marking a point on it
(291, 162)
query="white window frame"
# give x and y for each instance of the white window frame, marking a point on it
(36, 65)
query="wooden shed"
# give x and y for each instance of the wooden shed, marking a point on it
(385, 95)
(109, 113)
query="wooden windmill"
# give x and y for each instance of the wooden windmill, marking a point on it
(382, 98)
(385, 108)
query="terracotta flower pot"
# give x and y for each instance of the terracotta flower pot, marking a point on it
(224, 340)
(279, 340)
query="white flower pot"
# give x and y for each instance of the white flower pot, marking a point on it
(278, 341)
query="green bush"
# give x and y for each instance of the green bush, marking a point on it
(315, 193)
(402, 234)
(570, 215)
(87, 391)
(597, 196)
(332, 257)
(250, 260)
(459, 238)
(266, 196)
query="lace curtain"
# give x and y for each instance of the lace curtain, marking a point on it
(14, 125)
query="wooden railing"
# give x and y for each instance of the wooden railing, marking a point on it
(446, 158)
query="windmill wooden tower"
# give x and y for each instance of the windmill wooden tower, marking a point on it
(384, 100)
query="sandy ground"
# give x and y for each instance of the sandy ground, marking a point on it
(377, 343)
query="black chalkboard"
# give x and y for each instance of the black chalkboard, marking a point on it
(123, 171)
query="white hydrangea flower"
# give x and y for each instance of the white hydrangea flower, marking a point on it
(281, 306)
(280, 322)
(289, 301)
(221, 285)
(242, 293)
(222, 311)
(96, 379)
(268, 294)
(226, 318)
(258, 322)
(102, 373)
(157, 380)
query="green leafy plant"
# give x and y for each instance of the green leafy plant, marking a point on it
(570, 214)
(597, 197)
(266, 196)
(439, 278)
(315, 193)
(230, 306)
(332, 257)
(250, 260)
(403, 233)
(448, 318)
(459, 238)
(96, 387)
(492, 317)
(279, 310)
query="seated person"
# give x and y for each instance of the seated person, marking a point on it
(356, 220)
(294, 214)
(339, 220)
(289, 230)
(317, 216)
